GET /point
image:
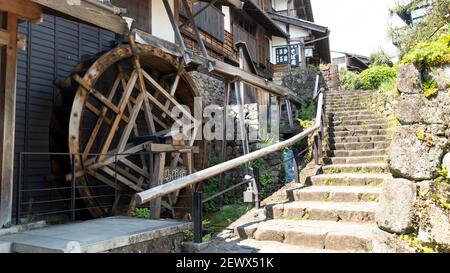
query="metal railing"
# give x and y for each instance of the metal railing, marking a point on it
(38, 195)
(317, 130)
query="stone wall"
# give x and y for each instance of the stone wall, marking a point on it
(167, 244)
(419, 149)
(212, 89)
(330, 75)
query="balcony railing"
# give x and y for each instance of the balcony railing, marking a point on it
(241, 35)
(211, 20)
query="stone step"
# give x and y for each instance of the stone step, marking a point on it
(255, 246)
(338, 194)
(368, 138)
(356, 168)
(355, 128)
(346, 102)
(346, 96)
(340, 109)
(359, 145)
(373, 132)
(342, 102)
(355, 159)
(353, 117)
(348, 237)
(350, 113)
(361, 212)
(357, 153)
(345, 105)
(350, 179)
(362, 122)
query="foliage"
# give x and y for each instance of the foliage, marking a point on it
(389, 87)
(427, 139)
(380, 58)
(259, 164)
(415, 243)
(428, 29)
(210, 188)
(428, 54)
(443, 176)
(141, 213)
(308, 112)
(429, 88)
(216, 222)
(265, 185)
(373, 77)
(349, 80)
(305, 124)
(306, 115)
(187, 235)
(264, 142)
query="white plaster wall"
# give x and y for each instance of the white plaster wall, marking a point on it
(161, 26)
(227, 19)
(276, 41)
(280, 4)
(297, 32)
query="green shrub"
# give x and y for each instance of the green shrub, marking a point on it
(429, 88)
(349, 80)
(308, 112)
(373, 77)
(380, 58)
(428, 54)
(389, 87)
(141, 213)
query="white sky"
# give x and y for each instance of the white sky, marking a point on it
(357, 26)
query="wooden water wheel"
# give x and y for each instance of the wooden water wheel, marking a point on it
(120, 111)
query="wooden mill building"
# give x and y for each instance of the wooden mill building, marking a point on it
(46, 42)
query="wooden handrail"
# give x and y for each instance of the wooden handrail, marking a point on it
(149, 195)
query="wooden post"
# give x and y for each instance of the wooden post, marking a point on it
(302, 52)
(158, 179)
(179, 37)
(7, 118)
(289, 113)
(223, 156)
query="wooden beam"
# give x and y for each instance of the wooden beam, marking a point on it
(222, 69)
(88, 13)
(23, 8)
(4, 37)
(158, 179)
(7, 119)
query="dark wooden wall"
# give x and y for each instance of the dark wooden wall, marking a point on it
(54, 48)
(140, 10)
(211, 20)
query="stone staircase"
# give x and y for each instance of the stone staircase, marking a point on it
(336, 212)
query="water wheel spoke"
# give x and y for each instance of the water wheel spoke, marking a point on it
(167, 96)
(131, 124)
(102, 116)
(118, 117)
(120, 178)
(136, 168)
(172, 91)
(106, 114)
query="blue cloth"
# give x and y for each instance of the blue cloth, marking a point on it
(288, 162)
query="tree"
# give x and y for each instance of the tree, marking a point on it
(430, 28)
